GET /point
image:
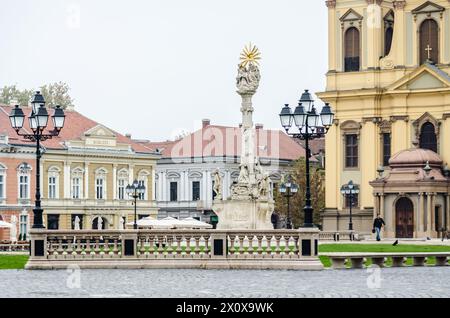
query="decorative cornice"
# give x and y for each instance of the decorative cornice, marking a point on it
(331, 4)
(378, 2)
(445, 115)
(372, 119)
(399, 117)
(399, 5)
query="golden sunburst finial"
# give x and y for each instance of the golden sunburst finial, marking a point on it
(250, 54)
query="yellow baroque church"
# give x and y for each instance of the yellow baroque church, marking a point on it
(389, 84)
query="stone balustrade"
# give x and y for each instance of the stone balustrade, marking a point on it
(247, 249)
(15, 247)
(337, 236)
(357, 260)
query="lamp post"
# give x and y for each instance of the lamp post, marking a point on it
(349, 190)
(38, 121)
(288, 189)
(306, 120)
(135, 190)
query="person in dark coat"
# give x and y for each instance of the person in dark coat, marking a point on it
(275, 219)
(378, 223)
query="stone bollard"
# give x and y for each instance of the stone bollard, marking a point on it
(357, 262)
(338, 262)
(379, 261)
(441, 261)
(419, 261)
(398, 261)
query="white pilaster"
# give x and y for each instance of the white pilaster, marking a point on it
(66, 179)
(114, 182)
(86, 181)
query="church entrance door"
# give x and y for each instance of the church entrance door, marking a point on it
(404, 217)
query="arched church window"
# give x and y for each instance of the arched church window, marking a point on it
(429, 41)
(352, 50)
(428, 138)
(388, 34)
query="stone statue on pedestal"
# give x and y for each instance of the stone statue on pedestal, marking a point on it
(250, 206)
(217, 184)
(76, 225)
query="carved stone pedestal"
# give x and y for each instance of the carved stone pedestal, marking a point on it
(244, 214)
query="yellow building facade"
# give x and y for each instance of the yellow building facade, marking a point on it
(389, 85)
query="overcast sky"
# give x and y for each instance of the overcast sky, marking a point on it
(154, 67)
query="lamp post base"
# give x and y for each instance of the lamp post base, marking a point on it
(37, 219)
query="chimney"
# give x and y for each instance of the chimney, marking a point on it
(128, 136)
(206, 123)
(259, 126)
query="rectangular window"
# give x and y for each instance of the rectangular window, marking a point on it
(23, 187)
(2, 186)
(121, 192)
(173, 191)
(53, 221)
(353, 201)
(142, 195)
(23, 229)
(52, 187)
(76, 188)
(386, 148)
(99, 188)
(195, 190)
(351, 151)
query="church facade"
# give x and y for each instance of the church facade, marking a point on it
(389, 84)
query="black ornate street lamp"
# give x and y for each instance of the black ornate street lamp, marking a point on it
(288, 189)
(348, 191)
(306, 120)
(38, 120)
(135, 190)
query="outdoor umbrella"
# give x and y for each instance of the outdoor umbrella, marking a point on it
(150, 222)
(196, 224)
(4, 224)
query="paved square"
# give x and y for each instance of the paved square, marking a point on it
(395, 282)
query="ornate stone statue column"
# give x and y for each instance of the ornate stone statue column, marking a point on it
(250, 206)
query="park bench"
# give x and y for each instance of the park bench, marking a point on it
(357, 260)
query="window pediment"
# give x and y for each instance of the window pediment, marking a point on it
(351, 15)
(428, 7)
(350, 126)
(425, 77)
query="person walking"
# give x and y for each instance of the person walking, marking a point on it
(378, 223)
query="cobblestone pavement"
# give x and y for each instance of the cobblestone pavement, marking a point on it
(395, 282)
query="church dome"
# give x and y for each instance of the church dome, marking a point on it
(415, 157)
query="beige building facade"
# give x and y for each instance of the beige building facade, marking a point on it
(84, 174)
(389, 84)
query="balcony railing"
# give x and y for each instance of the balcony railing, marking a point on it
(280, 249)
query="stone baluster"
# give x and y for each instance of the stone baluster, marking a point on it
(250, 249)
(106, 248)
(160, 245)
(170, 250)
(142, 246)
(232, 242)
(277, 244)
(115, 248)
(197, 244)
(287, 249)
(97, 247)
(398, 261)
(206, 250)
(188, 250)
(151, 250)
(60, 249)
(441, 261)
(70, 249)
(88, 249)
(179, 239)
(260, 249)
(269, 245)
(241, 244)
(79, 250)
